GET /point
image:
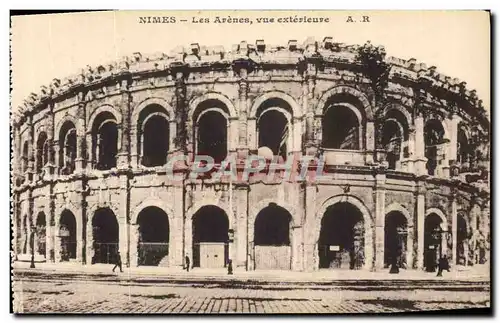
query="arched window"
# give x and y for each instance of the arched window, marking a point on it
(42, 151)
(394, 136)
(67, 148)
(154, 136)
(341, 128)
(433, 139)
(105, 141)
(211, 130)
(392, 141)
(273, 126)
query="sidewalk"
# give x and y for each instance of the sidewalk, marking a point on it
(476, 273)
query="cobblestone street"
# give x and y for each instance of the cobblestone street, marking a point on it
(39, 295)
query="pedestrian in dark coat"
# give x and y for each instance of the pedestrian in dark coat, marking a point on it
(187, 263)
(118, 262)
(443, 265)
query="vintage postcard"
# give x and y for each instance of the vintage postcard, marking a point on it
(250, 162)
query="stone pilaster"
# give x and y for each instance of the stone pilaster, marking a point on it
(51, 228)
(124, 149)
(242, 107)
(123, 220)
(308, 105)
(31, 226)
(241, 234)
(176, 253)
(79, 227)
(183, 141)
(311, 235)
(134, 241)
(450, 148)
(420, 214)
(454, 226)
(379, 221)
(370, 141)
(31, 153)
(15, 225)
(80, 138)
(419, 158)
(474, 221)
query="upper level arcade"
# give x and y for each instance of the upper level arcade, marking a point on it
(352, 105)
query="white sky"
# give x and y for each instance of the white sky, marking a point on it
(55, 46)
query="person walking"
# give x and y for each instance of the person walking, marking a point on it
(118, 262)
(187, 263)
(443, 265)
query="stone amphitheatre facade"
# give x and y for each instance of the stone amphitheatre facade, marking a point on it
(406, 151)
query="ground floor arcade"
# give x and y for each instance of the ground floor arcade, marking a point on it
(343, 235)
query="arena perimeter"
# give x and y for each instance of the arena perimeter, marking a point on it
(405, 147)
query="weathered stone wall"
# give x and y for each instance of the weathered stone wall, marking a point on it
(242, 80)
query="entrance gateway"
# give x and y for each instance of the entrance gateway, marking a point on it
(210, 238)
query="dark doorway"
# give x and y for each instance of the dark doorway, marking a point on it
(341, 240)
(67, 233)
(432, 242)
(272, 238)
(154, 234)
(105, 236)
(395, 245)
(210, 237)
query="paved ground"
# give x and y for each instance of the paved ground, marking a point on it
(49, 292)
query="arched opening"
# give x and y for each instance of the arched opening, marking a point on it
(433, 138)
(341, 239)
(67, 148)
(105, 236)
(392, 139)
(273, 132)
(154, 232)
(272, 238)
(212, 135)
(463, 149)
(395, 239)
(273, 126)
(210, 237)
(462, 241)
(67, 233)
(433, 243)
(341, 128)
(42, 152)
(105, 141)
(40, 234)
(154, 136)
